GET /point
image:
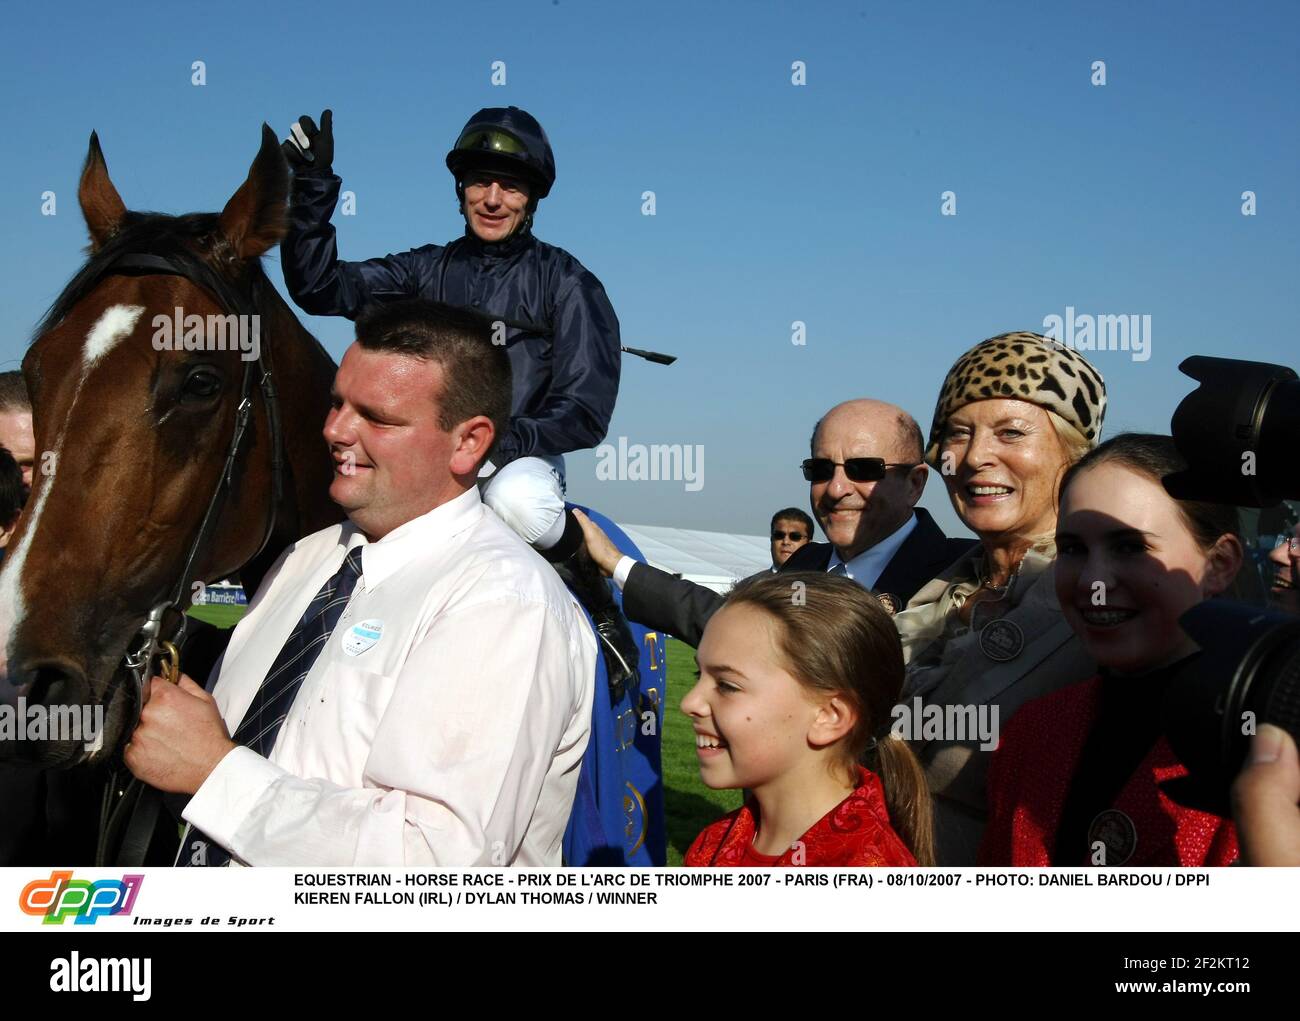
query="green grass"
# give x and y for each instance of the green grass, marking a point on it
(219, 614)
(689, 806)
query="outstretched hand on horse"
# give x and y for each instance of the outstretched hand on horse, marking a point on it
(180, 739)
(599, 545)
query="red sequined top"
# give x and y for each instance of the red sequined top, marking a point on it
(854, 832)
(1029, 780)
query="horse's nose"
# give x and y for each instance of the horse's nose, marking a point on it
(14, 684)
(51, 682)
(51, 720)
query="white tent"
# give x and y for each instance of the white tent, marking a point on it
(716, 560)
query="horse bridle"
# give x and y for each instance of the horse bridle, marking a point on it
(149, 643)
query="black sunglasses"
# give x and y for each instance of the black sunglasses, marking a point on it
(858, 469)
(794, 536)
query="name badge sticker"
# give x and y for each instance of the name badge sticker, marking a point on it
(360, 637)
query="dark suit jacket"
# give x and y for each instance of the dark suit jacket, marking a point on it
(681, 608)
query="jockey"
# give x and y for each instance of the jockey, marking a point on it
(551, 313)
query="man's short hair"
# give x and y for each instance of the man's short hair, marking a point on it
(476, 372)
(13, 392)
(12, 491)
(793, 514)
(911, 438)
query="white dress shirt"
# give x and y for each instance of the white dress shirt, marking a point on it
(867, 567)
(453, 738)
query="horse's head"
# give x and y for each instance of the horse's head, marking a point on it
(134, 391)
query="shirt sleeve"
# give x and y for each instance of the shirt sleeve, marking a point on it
(621, 570)
(456, 768)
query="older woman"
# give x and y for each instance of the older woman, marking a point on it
(988, 634)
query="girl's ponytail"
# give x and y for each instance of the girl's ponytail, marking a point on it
(907, 795)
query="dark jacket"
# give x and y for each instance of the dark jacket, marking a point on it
(681, 608)
(565, 367)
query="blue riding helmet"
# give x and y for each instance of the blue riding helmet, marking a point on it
(507, 139)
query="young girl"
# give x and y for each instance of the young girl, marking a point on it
(1075, 779)
(798, 676)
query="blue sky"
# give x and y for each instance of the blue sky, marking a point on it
(775, 203)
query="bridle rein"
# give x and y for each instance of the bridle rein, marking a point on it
(130, 809)
(152, 642)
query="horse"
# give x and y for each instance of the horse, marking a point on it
(163, 468)
(159, 467)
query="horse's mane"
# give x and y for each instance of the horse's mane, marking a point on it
(180, 239)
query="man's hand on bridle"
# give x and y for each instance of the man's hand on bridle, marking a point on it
(180, 739)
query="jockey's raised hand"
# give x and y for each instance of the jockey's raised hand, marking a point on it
(309, 147)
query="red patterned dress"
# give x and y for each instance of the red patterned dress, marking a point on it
(854, 832)
(1030, 779)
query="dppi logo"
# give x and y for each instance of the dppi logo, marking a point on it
(61, 896)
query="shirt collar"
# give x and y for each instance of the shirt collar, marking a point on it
(431, 531)
(516, 242)
(867, 567)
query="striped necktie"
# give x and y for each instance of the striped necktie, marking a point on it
(841, 569)
(270, 706)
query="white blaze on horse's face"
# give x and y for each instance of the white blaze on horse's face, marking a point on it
(116, 323)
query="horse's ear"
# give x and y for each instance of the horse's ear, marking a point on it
(101, 205)
(257, 216)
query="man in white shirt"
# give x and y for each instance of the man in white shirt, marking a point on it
(445, 715)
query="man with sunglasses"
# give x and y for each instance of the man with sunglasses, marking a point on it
(865, 476)
(551, 314)
(791, 531)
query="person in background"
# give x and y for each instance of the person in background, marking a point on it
(987, 635)
(16, 434)
(12, 495)
(793, 703)
(1076, 777)
(791, 529)
(1284, 560)
(46, 815)
(865, 475)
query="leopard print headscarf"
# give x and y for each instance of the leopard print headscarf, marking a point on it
(1026, 367)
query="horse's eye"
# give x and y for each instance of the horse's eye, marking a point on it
(201, 383)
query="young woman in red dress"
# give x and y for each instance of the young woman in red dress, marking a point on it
(1076, 777)
(798, 675)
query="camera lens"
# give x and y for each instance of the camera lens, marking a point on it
(1248, 674)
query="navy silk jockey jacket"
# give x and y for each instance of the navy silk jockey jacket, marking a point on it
(565, 373)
